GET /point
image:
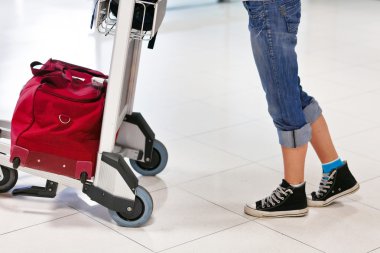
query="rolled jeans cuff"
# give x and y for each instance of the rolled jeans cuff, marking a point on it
(299, 137)
(312, 111)
(295, 138)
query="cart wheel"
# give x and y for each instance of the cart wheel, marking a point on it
(8, 180)
(156, 165)
(141, 212)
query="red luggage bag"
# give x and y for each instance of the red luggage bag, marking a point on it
(56, 124)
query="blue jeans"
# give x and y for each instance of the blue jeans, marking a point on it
(274, 25)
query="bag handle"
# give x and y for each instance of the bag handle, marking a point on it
(39, 71)
(69, 66)
(58, 78)
(55, 65)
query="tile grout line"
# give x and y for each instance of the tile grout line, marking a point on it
(359, 154)
(224, 171)
(213, 174)
(177, 186)
(232, 154)
(196, 239)
(331, 105)
(215, 204)
(255, 221)
(373, 250)
(202, 177)
(16, 230)
(369, 180)
(110, 228)
(246, 122)
(358, 132)
(364, 204)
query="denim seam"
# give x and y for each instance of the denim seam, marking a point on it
(272, 57)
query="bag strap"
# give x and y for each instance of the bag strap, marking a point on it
(69, 66)
(39, 71)
(58, 79)
(56, 65)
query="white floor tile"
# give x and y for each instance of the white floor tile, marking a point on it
(75, 233)
(316, 64)
(375, 65)
(369, 193)
(353, 54)
(251, 103)
(253, 141)
(178, 217)
(249, 237)
(189, 160)
(324, 90)
(18, 212)
(342, 125)
(359, 108)
(234, 188)
(360, 77)
(342, 227)
(195, 118)
(201, 93)
(365, 143)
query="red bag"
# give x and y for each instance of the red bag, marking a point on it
(57, 120)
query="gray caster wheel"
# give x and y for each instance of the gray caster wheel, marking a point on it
(156, 165)
(141, 212)
(8, 179)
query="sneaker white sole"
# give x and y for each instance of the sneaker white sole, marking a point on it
(292, 213)
(328, 201)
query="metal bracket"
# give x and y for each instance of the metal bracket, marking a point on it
(132, 154)
(138, 120)
(106, 199)
(49, 191)
(97, 194)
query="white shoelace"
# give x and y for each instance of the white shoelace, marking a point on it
(275, 198)
(325, 183)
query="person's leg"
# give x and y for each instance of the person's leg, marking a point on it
(337, 180)
(294, 164)
(273, 26)
(322, 142)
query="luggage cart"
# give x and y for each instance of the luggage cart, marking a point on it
(114, 185)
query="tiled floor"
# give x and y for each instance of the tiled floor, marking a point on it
(201, 94)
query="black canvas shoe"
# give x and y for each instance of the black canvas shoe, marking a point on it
(284, 201)
(336, 184)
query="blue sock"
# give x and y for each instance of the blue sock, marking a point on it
(328, 167)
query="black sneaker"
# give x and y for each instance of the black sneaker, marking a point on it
(284, 201)
(333, 185)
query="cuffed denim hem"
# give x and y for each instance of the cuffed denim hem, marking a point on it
(301, 136)
(295, 138)
(312, 111)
